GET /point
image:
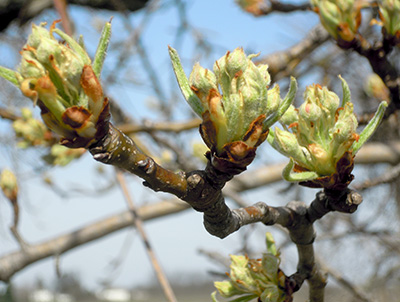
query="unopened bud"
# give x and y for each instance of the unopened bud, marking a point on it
(8, 184)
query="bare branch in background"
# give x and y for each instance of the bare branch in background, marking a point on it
(24, 10)
(16, 261)
(169, 294)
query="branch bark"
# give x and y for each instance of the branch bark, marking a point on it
(282, 63)
(14, 262)
(24, 10)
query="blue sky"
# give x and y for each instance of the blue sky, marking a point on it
(177, 238)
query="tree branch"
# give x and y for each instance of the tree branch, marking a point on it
(169, 294)
(24, 10)
(149, 126)
(378, 57)
(275, 6)
(16, 261)
(282, 63)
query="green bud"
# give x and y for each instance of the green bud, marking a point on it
(235, 121)
(8, 184)
(323, 134)
(230, 66)
(344, 131)
(255, 278)
(330, 17)
(287, 144)
(58, 76)
(376, 88)
(202, 81)
(291, 116)
(310, 111)
(30, 131)
(226, 289)
(327, 100)
(341, 18)
(390, 16)
(274, 100)
(62, 156)
(270, 243)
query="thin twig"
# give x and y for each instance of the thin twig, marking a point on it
(282, 63)
(22, 243)
(14, 262)
(389, 176)
(148, 126)
(357, 292)
(61, 7)
(139, 226)
(283, 7)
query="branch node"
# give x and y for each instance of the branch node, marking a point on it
(147, 165)
(102, 157)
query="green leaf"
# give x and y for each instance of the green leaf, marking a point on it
(287, 101)
(270, 294)
(101, 51)
(183, 82)
(10, 75)
(81, 42)
(271, 247)
(245, 298)
(227, 289)
(214, 297)
(291, 176)
(370, 128)
(346, 92)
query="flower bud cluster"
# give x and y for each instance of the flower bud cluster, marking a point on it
(320, 137)
(58, 76)
(9, 185)
(31, 131)
(389, 12)
(235, 104)
(254, 278)
(341, 18)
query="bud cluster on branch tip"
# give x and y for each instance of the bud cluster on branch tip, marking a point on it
(320, 138)
(256, 278)
(341, 18)
(255, 7)
(61, 156)
(8, 184)
(235, 105)
(389, 12)
(61, 79)
(30, 131)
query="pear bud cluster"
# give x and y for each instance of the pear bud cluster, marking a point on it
(236, 105)
(255, 278)
(320, 134)
(389, 12)
(58, 76)
(341, 18)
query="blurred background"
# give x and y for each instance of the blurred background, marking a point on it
(63, 193)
